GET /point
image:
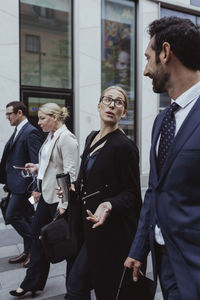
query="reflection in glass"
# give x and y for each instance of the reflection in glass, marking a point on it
(35, 102)
(195, 2)
(118, 36)
(166, 12)
(46, 43)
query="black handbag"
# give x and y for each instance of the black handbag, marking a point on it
(143, 289)
(4, 204)
(62, 238)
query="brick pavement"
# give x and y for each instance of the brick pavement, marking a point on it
(11, 275)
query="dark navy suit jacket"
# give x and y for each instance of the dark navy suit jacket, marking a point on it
(24, 149)
(173, 201)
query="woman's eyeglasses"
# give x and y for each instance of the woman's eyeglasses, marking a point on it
(117, 102)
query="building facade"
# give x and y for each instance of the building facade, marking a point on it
(67, 51)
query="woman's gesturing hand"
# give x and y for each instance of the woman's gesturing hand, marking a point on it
(100, 215)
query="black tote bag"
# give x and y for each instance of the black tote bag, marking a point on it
(4, 203)
(143, 289)
(62, 238)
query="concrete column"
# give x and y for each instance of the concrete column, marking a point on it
(9, 62)
(87, 59)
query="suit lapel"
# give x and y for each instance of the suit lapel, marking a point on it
(7, 146)
(19, 134)
(63, 128)
(184, 133)
(102, 150)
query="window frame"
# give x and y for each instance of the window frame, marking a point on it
(134, 61)
(26, 43)
(50, 92)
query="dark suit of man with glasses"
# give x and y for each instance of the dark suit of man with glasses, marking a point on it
(22, 147)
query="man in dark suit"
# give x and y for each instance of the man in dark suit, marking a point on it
(22, 147)
(169, 223)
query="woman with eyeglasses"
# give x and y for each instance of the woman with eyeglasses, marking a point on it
(58, 154)
(109, 189)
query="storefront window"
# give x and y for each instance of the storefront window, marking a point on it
(46, 59)
(195, 2)
(118, 52)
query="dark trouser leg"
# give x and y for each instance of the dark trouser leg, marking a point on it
(70, 263)
(79, 283)
(37, 273)
(18, 214)
(167, 279)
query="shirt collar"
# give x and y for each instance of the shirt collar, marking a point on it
(20, 125)
(56, 132)
(188, 96)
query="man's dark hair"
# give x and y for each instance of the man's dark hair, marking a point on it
(182, 35)
(17, 105)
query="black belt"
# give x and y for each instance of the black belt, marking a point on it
(39, 185)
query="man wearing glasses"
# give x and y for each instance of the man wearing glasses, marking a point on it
(22, 147)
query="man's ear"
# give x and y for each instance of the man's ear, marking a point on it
(165, 54)
(20, 112)
(98, 106)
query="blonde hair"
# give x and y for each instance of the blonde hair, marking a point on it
(119, 89)
(54, 109)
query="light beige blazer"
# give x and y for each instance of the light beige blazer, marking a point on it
(62, 157)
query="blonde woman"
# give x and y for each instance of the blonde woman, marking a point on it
(58, 154)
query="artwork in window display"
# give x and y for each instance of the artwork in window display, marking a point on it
(116, 64)
(118, 53)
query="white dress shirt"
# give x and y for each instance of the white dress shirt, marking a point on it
(43, 153)
(186, 102)
(19, 127)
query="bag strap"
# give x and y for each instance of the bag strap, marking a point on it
(120, 284)
(56, 216)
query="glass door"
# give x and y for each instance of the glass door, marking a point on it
(33, 99)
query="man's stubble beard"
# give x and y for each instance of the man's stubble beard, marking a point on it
(160, 80)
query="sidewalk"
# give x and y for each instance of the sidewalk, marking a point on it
(11, 275)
